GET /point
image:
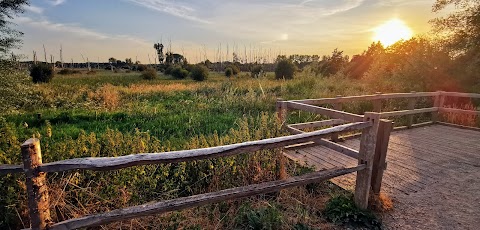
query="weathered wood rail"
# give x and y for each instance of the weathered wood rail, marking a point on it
(375, 134)
(37, 191)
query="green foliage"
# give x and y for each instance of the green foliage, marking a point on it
(235, 69)
(342, 209)
(228, 72)
(265, 218)
(413, 65)
(68, 72)
(169, 69)
(141, 67)
(42, 73)
(149, 74)
(16, 89)
(330, 65)
(199, 73)
(285, 69)
(256, 71)
(10, 38)
(179, 73)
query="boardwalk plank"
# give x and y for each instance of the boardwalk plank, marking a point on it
(416, 157)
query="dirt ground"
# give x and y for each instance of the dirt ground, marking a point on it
(451, 203)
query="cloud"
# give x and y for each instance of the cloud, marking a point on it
(57, 2)
(34, 9)
(264, 20)
(76, 29)
(174, 8)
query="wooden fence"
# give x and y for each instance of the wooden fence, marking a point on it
(375, 134)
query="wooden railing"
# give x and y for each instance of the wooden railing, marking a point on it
(382, 128)
(37, 191)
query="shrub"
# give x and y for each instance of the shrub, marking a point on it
(179, 73)
(68, 72)
(149, 74)
(228, 72)
(342, 209)
(256, 70)
(168, 70)
(141, 68)
(235, 69)
(285, 69)
(199, 73)
(42, 73)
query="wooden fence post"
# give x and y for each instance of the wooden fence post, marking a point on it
(385, 127)
(411, 106)
(439, 101)
(366, 156)
(377, 104)
(281, 111)
(37, 190)
(339, 107)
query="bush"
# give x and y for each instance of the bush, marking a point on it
(285, 69)
(168, 70)
(68, 72)
(42, 73)
(228, 72)
(342, 209)
(235, 69)
(149, 74)
(141, 68)
(256, 70)
(179, 73)
(199, 73)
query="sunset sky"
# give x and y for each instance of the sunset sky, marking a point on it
(100, 29)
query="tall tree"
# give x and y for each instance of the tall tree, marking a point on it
(460, 33)
(9, 37)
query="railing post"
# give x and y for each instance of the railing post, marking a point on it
(37, 190)
(366, 156)
(339, 107)
(411, 106)
(385, 127)
(282, 111)
(377, 103)
(439, 101)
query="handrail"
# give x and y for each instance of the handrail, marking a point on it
(201, 199)
(325, 111)
(10, 169)
(366, 98)
(112, 163)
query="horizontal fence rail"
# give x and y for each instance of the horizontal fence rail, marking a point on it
(202, 199)
(112, 163)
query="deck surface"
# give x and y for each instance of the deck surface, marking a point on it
(424, 166)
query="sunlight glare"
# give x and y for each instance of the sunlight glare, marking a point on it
(392, 31)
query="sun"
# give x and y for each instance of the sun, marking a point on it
(392, 31)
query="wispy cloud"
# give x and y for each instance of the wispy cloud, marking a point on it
(171, 7)
(56, 2)
(77, 30)
(34, 9)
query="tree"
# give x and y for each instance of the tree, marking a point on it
(9, 38)
(461, 29)
(460, 34)
(112, 60)
(285, 69)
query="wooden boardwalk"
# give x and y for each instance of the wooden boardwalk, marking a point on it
(416, 158)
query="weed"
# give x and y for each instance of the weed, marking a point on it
(342, 209)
